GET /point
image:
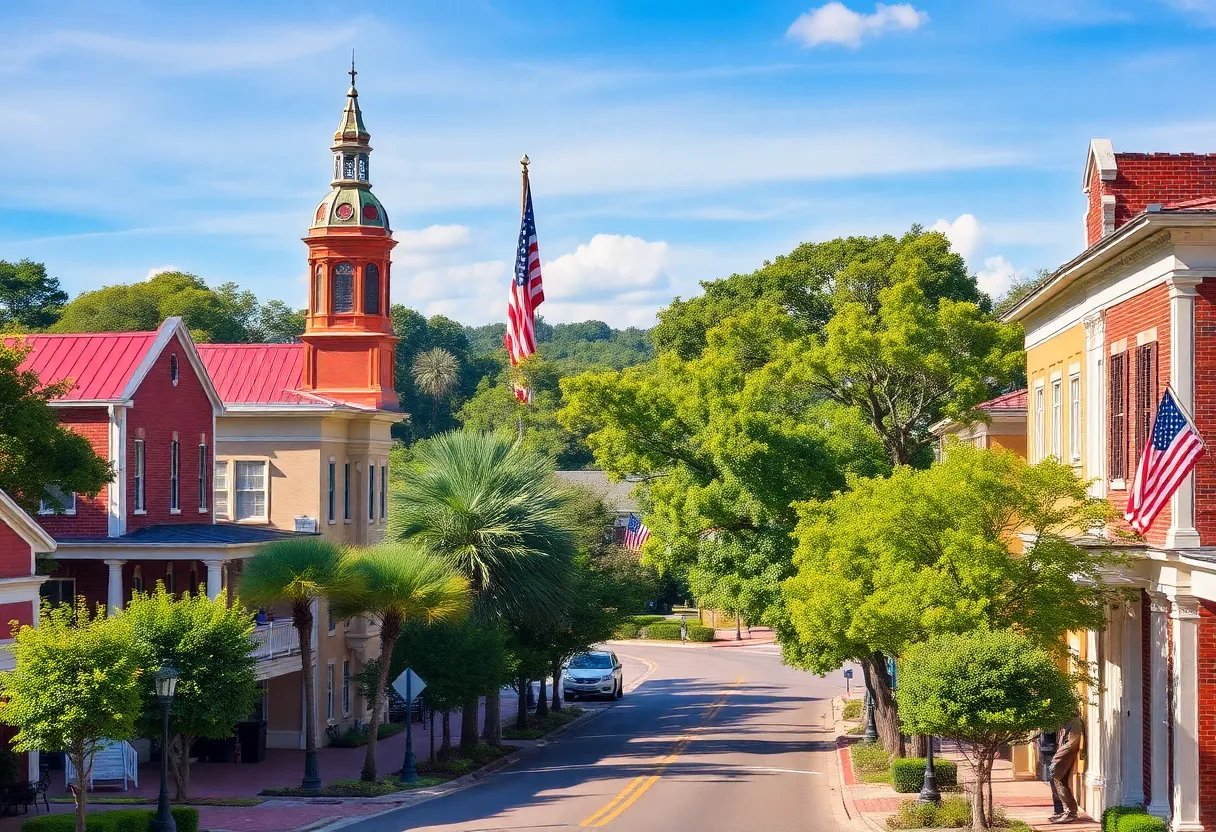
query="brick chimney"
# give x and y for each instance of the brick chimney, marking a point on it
(1122, 185)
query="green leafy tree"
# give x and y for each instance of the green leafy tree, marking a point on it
(35, 450)
(76, 685)
(893, 562)
(297, 573)
(393, 584)
(278, 323)
(986, 689)
(208, 642)
(498, 514)
(30, 300)
(741, 575)
(436, 373)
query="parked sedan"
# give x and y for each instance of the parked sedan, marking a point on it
(593, 674)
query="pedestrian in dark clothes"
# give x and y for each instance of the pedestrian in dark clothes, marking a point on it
(1062, 765)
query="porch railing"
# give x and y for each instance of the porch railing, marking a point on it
(278, 638)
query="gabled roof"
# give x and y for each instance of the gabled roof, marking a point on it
(264, 375)
(1014, 400)
(25, 526)
(107, 366)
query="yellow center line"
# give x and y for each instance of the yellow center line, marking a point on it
(638, 786)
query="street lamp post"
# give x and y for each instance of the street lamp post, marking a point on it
(871, 731)
(929, 792)
(166, 686)
(409, 773)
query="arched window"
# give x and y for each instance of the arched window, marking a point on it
(343, 299)
(173, 372)
(318, 290)
(371, 289)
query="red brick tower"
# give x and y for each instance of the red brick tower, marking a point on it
(348, 338)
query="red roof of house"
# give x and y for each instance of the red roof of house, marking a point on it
(257, 373)
(1015, 400)
(101, 364)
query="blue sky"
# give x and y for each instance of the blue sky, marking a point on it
(671, 142)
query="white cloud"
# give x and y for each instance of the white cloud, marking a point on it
(466, 280)
(153, 272)
(610, 265)
(433, 237)
(964, 234)
(997, 276)
(837, 23)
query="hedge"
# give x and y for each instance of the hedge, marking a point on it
(643, 620)
(666, 630)
(627, 629)
(699, 632)
(122, 820)
(908, 774)
(1131, 819)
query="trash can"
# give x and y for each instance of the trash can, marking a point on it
(252, 736)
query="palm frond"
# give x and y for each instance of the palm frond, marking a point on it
(291, 571)
(404, 580)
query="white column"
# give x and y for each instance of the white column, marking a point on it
(1094, 393)
(1159, 800)
(1095, 727)
(1133, 712)
(1113, 707)
(114, 588)
(1185, 815)
(215, 577)
(1183, 291)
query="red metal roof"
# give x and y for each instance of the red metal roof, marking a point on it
(101, 364)
(1015, 400)
(257, 373)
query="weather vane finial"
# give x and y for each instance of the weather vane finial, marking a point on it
(352, 72)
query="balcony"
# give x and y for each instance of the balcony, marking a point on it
(276, 646)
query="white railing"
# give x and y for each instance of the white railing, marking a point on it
(278, 638)
(113, 761)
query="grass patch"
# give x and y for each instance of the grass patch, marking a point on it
(537, 728)
(358, 788)
(870, 757)
(852, 709)
(874, 776)
(856, 730)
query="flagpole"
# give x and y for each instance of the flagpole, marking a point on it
(524, 161)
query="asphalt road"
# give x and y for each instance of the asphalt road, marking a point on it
(713, 739)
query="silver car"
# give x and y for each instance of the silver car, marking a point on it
(593, 674)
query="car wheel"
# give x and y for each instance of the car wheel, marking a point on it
(620, 689)
(570, 697)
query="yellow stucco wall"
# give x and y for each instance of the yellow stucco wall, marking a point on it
(1061, 357)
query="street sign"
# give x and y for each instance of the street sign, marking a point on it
(409, 685)
(848, 673)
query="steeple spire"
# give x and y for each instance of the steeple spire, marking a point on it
(351, 131)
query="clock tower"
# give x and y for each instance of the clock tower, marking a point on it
(348, 335)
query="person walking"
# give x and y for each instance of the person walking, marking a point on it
(1047, 750)
(1062, 764)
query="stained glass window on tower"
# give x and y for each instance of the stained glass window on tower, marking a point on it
(362, 167)
(344, 288)
(318, 290)
(371, 289)
(348, 167)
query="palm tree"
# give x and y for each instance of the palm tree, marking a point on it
(397, 583)
(298, 572)
(499, 515)
(436, 372)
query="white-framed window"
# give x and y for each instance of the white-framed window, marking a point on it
(251, 489)
(333, 491)
(383, 491)
(329, 691)
(175, 476)
(137, 466)
(346, 491)
(346, 687)
(371, 491)
(203, 466)
(1057, 418)
(1039, 427)
(57, 501)
(1074, 418)
(220, 482)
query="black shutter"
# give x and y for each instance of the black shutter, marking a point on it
(1118, 417)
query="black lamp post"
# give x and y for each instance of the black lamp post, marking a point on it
(929, 792)
(871, 732)
(166, 686)
(409, 774)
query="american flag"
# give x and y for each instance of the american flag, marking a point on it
(526, 290)
(636, 533)
(1174, 449)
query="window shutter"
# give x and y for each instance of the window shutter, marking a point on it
(1118, 417)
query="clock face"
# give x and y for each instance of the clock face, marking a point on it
(345, 211)
(370, 213)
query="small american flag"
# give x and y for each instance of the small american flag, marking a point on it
(636, 533)
(527, 292)
(1172, 452)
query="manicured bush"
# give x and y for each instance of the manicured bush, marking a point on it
(627, 629)
(852, 709)
(953, 813)
(643, 620)
(667, 631)
(699, 632)
(908, 774)
(1130, 819)
(122, 820)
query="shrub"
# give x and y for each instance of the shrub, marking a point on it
(953, 813)
(643, 620)
(350, 738)
(123, 820)
(852, 709)
(1130, 819)
(908, 774)
(699, 632)
(869, 756)
(627, 629)
(389, 729)
(667, 631)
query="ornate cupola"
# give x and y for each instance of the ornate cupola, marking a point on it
(348, 335)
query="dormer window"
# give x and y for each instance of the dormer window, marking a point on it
(343, 299)
(173, 372)
(371, 289)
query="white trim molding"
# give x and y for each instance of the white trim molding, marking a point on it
(1183, 289)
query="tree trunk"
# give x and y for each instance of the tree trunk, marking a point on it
(556, 704)
(301, 616)
(738, 628)
(445, 747)
(468, 722)
(886, 718)
(79, 760)
(919, 743)
(521, 711)
(493, 726)
(390, 628)
(179, 764)
(979, 818)
(542, 699)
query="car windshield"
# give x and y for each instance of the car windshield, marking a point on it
(591, 661)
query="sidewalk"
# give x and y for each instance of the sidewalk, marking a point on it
(723, 639)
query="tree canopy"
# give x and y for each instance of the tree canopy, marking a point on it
(30, 300)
